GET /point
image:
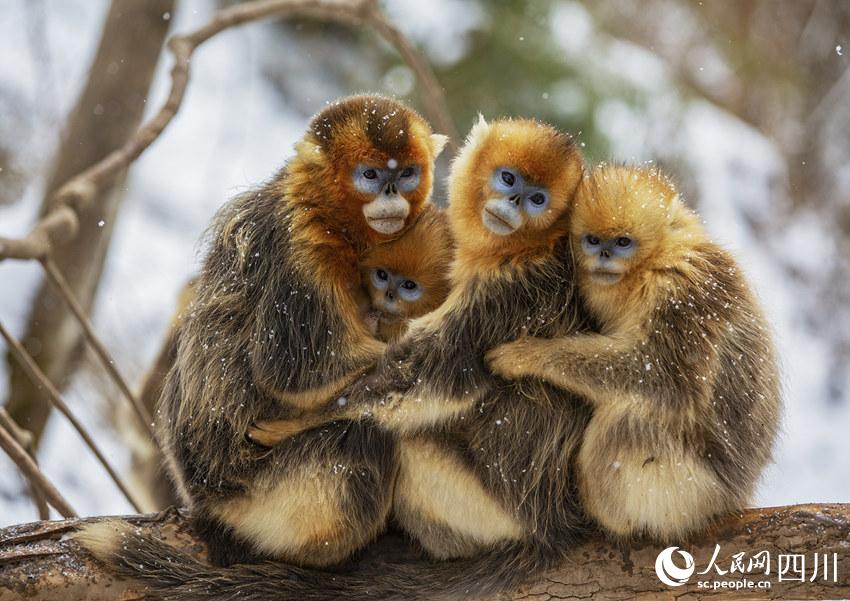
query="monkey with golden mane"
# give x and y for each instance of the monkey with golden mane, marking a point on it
(276, 331)
(682, 378)
(485, 467)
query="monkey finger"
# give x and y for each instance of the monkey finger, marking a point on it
(269, 433)
(262, 437)
(503, 361)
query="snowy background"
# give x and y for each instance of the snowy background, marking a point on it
(629, 92)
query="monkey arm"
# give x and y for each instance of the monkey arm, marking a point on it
(418, 383)
(582, 364)
(607, 368)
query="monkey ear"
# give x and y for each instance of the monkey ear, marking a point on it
(674, 207)
(438, 142)
(308, 151)
(478, 131)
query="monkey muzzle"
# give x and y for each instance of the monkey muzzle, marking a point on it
(388, 212)
(601, 276)
(606, 270)
(502, 216)
(390, 304)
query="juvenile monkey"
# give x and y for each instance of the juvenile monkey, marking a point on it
(486, 465)
(408, 277)
(682, 377)
(276, 331)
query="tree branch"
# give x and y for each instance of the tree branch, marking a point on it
(34, 372)
(38, 563)
(25, 439)
(56, 278)
(28, 466)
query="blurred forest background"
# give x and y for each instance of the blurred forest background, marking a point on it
(745, 102)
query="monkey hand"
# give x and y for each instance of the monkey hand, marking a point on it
(515, 359)
(268, 433)
(372, 319)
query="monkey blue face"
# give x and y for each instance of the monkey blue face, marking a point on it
(606, 259)
(388, 211)
(392, 291)
(515, 202)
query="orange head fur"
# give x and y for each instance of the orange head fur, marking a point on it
(512, 162)
(419, 260)
(628, 221)
(364, 169)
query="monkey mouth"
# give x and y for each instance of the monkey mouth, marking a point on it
(604, 276)
(390, 310)
(386, 225)
(497, 224)
(387, 214)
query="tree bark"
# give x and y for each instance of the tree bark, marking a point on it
(108, 111)
(37, 563)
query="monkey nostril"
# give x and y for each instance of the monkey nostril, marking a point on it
(389, 295)
(514, 198)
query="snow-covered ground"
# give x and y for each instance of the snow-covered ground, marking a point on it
(235, 130)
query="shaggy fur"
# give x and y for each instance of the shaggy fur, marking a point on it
(683, 377)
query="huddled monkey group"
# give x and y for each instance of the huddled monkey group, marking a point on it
(561, 350)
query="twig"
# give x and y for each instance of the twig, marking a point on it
(25, 463)
(61, 284)
(40, 379)
(24, 438)
(58, 226)
(432, 93)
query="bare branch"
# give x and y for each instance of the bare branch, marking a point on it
(432, 93)
(58, 280)
(60, 225)
(37, 563)
(27, 465)
(37, 376)
(25, 439)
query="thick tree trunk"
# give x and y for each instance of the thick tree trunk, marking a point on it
(107, 113)
(37, 563)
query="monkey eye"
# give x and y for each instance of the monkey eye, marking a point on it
(591, 240)
(407, 172)
(624, 242)
(370, 174)
(409, 285)
(538, 198)
(381, 274)
(508, 178)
